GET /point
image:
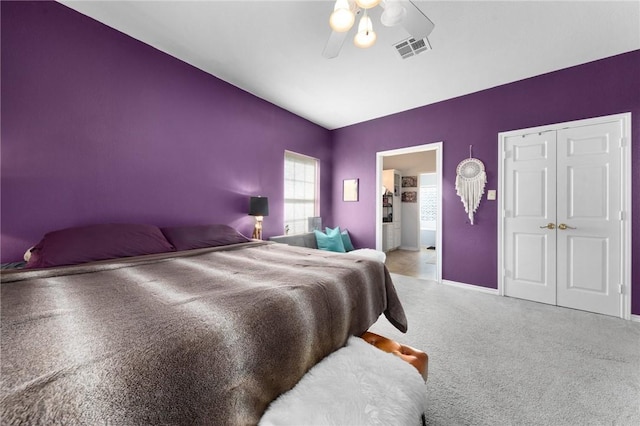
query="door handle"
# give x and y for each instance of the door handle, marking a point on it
(549, 225)
(563, 226)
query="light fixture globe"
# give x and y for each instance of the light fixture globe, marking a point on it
(367, 4)
(365, 37)
(393, 14)
(342, 18)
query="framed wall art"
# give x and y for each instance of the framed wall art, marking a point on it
(409, 181)
(350, 190)
(410, 196)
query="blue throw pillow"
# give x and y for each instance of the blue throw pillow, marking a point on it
(346, 241)
(332, 231)
(332, 242)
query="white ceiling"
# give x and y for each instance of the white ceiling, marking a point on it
(272, 49)
(421, 161)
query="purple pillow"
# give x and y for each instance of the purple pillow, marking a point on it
(97, 242)
(201, 236)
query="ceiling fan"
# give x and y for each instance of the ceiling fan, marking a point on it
(396, 12)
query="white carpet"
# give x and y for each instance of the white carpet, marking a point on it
(503, 361)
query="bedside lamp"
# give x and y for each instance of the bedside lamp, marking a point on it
(258, 207)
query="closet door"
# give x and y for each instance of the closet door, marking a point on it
(530, 217)
(563, 216)
(589, 229)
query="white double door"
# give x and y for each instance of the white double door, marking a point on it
(563, 217)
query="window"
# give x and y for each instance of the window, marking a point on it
(301, 194)
(428, 201)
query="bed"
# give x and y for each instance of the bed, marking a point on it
(206, 335)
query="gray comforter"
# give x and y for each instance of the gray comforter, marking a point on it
(201, 337)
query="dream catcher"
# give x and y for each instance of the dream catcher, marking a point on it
(470, 181)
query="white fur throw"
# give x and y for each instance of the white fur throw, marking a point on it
(356, 385)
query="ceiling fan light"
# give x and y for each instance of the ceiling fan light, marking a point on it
(365, 37)
(367, 4)
(393, 14)
(342, 18)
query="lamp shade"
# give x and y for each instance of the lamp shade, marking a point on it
(259, 206)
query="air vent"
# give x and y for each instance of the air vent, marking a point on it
(411, 46)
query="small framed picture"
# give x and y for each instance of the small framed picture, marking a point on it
(409, 181)
(410, 196)
(350, 190)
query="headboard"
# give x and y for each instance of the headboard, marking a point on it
(301, 240)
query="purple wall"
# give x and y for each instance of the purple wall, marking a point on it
(98, 127)
(604, 87)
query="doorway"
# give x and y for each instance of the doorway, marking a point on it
(410, 243)
(564, 235)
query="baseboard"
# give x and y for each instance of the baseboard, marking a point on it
(409, 248)
(481, 289)
(494, 291)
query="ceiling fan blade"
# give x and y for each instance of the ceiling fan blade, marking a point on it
(415, 22)
(334, 44)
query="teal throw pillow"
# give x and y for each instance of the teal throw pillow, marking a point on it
(331, 242)
(332, 231)
(346, 241)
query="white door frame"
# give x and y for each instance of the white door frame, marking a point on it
(437, 147)
(625, 208)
